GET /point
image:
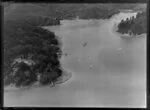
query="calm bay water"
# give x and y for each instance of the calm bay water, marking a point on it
(107, 70)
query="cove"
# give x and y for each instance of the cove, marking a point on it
(107, 70)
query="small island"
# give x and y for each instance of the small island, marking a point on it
(133, 26)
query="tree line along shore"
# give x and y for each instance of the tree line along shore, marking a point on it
(135, 25)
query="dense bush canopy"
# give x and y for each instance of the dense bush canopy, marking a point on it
(36, 43)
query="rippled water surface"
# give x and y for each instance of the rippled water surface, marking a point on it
(107, 70)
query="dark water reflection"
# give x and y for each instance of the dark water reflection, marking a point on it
(108, 72)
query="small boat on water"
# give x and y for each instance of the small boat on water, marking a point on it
(84, 44)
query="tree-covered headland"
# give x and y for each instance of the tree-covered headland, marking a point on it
(134, 25)
(30, 51)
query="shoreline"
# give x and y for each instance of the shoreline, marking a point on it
(66, 75)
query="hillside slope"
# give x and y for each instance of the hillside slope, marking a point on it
(64, 11)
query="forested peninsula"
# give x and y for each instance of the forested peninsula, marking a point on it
(32, 53)
(134, 26)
